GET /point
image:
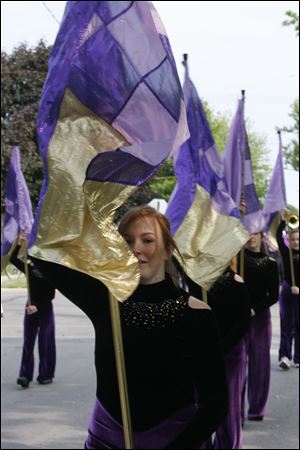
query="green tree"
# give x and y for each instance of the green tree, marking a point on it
(291, 151)
(293, 19)
(22, 76)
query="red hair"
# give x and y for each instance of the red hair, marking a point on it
(147, 212)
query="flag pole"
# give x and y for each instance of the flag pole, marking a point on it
(27, 278)
(291, 259)
(121, 371)
(185, 59)
(242, 252)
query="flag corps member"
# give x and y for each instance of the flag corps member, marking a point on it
(259, 271)
(39, 316)
(111, 112)
(206, 226)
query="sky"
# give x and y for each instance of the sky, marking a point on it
(231, 46)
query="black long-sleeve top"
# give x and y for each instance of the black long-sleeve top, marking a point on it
(172, 353)
(230, 302)
(261, 280)
(41, 291)
(285, 256)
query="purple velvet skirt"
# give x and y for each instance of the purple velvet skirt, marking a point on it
(105, 432)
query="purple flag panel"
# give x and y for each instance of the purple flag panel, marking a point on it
(276, 196)
(111, 113)
(204, 218)
(198, 162)
(116, 59)
(18, 209)
(238, 172)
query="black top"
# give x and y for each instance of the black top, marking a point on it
(173, 353)
(41, 291)
(285, 255)
(230, 302)
(261, 279)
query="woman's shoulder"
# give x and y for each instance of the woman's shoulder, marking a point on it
(195, 303)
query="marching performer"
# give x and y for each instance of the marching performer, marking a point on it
(289, 294)
(262, 282)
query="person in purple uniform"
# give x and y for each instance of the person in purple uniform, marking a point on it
(262, 281)
(174, 360)
(289, 298)
(229, 300)
(38, 321)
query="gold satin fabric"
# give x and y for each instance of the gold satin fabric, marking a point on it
(208, 240)
(67, 233)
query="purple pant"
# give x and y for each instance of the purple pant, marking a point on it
(229, 434)
(258, 344)
(41, 324)
(289, 323)
(106, 432)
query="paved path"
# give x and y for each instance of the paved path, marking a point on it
(56, 416)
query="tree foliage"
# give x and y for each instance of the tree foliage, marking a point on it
(22, 76)
(293, 19)
(291, 151)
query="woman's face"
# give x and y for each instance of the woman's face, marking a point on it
(144, 238)
(254, 242)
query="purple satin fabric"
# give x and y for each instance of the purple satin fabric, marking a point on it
(230, 433)
(41, 324)
(105, 432)
(258, 345)
(289, 323)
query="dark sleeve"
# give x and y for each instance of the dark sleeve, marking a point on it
(232, 310)
(16, 261)
(89, 294)
(281, 245)
(41, 291)
(239, 311)
(210, 381)
(194, 289)
(272, 288)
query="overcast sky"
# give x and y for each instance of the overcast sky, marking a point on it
(231, 46)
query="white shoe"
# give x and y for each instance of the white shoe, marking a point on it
(285, 363)
(296, 365)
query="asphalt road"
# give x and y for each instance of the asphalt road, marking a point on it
(56, 416)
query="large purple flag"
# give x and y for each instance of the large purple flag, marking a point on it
(111, 112)
(18, 209)
(239, 174)
(204, 218)
(276, 197)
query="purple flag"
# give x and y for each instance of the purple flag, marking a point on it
(204, 218)
(18, 209)
(239, 174)
(275, 199)
(111, 112)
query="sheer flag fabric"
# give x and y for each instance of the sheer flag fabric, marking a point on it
(204, 218)
(239, 174)
(111, 112)
(18, 208)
